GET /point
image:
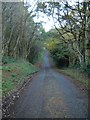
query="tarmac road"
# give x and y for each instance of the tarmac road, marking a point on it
(51, 95)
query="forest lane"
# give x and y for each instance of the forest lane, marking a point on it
(51, 95)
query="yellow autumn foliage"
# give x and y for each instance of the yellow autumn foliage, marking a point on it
(52, 43)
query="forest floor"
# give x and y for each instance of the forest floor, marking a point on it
(50, 94)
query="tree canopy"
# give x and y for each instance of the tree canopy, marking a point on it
(72, 25)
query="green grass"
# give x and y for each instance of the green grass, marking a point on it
(13, 74)
(76, 75)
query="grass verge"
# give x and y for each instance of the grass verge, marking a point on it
(14, 73)
(77, 75)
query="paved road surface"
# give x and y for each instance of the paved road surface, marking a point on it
(51, 95)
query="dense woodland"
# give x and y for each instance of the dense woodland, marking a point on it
(68, 41)
(24, 44)
(21, 35)
(70, 45)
